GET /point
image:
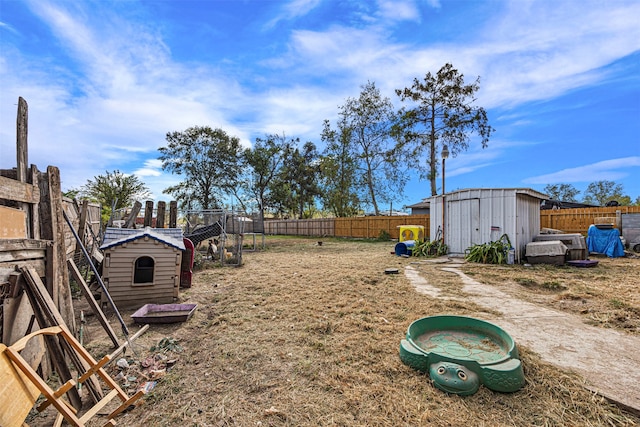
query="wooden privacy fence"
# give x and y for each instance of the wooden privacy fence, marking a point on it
(579, 220)
(370, 227)
(360, 227)
(567, 220)
(301, 227)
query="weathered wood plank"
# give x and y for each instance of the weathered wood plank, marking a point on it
(57, 275)
(34, 208)
(22, 251)
(6, 269)
(131, 221)
(148, 213)
(10, 189)
(21, 254)
(95, 307)
(52, 317)
(17, 392)
(22, 147)
(41, 301)
(84, 212)
(19, 244)
(17, 318)
(173, 214)
(160, 214)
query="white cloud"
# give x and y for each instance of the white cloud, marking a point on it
(297, 111)
(123, 88)
(530, 52)
(6, 27)
(607, 170)
(292, 10)
(535, 51)
(398, 10)
(152, 167)
(125, 94)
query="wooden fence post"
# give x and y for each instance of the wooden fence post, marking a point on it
(160, 214)
(52, 228)
(173, 214)
(131, 221)
(148, 213)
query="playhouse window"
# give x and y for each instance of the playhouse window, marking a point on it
(144, 270)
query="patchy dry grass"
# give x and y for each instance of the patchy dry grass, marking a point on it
(308, 335)
(607, 295)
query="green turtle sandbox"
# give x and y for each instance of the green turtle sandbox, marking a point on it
(460, 353)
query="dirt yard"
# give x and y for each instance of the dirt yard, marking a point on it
(308, 335)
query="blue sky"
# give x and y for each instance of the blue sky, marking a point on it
(106, 80)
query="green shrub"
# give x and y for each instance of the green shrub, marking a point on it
(432, 248)
(490, 253)
(384, 236)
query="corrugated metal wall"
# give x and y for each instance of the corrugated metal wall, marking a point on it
(480, 215)
(527, 223)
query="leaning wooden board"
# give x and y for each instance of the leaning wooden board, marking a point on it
(17, 392)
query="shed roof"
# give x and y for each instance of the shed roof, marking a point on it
(512, 190)
(117, 236)
(424, 203)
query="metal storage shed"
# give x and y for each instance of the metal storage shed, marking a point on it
(142, 266)
(481, 215)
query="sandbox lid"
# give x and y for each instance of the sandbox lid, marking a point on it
(164, 313)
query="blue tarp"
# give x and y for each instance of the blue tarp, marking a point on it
(605, 241)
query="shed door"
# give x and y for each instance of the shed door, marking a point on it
(474, 221)
(463, 224)
(469, 222)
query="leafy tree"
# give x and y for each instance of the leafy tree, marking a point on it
(209, 160)
(338, 173)
(562, 192)
(72, 193)
(601, 192)
(624, 200)
(114, 191)
(265, 160)
(365, 123)
(297, 183)
(444, 114)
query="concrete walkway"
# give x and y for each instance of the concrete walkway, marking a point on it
(608, 360)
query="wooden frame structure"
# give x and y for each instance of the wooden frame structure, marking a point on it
(55, 397)
(36, 294)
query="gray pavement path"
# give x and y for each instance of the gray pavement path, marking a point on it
(608, 360)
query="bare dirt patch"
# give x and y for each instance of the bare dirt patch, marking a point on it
(308, 335)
